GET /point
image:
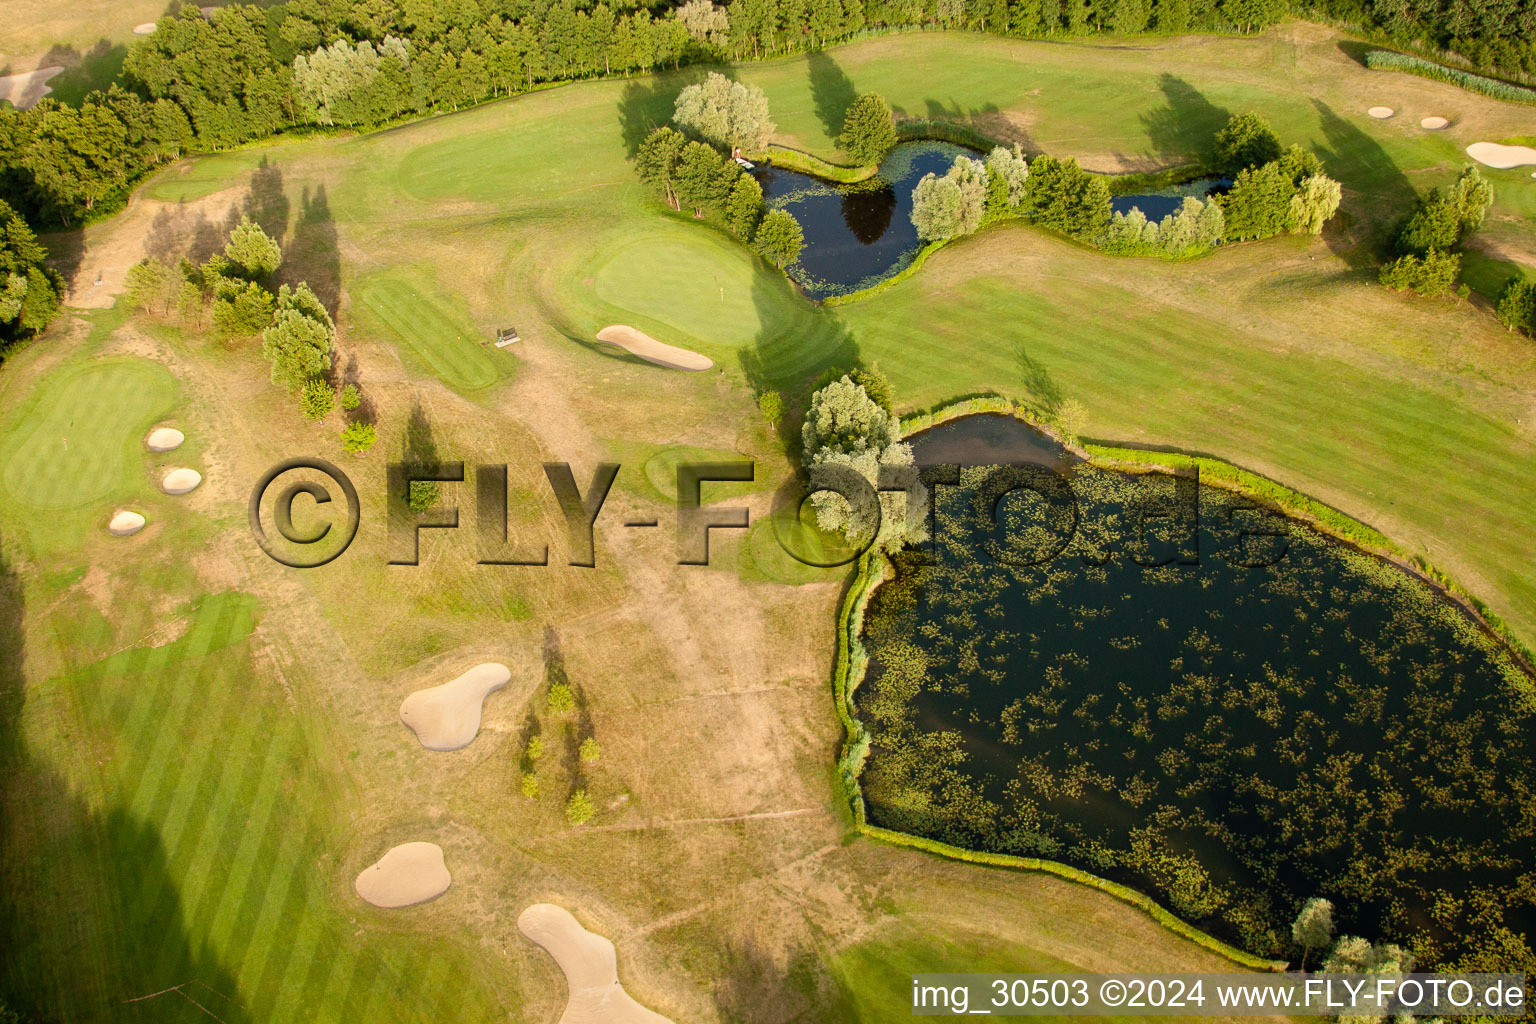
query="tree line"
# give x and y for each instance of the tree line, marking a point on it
(245, 72)
(1274, 191)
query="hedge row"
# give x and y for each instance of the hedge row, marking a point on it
(809, 163)
(946, 131)
(1115, 889)
(1391, 60)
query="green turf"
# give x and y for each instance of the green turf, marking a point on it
(875, 975)
(78, 440)
(432, 326)
(211, 847)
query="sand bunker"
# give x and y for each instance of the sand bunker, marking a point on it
(1503, 157)
(125, 524)
(1434, 124)
(164, 439)
(590, 966)
(410, 873)
(145, 29)
(27, 88)
(648, 348)
(180, 481)
(1381, 112)
(447, 717)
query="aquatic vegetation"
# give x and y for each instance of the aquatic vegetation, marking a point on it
(1223, 708)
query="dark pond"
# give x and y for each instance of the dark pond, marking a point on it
(1201, 698)
(1160, 203)
(856, 235)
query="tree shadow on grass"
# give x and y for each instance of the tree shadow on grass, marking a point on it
(91, 917)
(93, 70)
(646, 105)
(797, 344)
(1186, 127)
(266, 202)
(1377, 194)
(759, 986)
(312, 255)
(1044, 394)
(832, 92)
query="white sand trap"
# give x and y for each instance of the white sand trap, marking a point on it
(648, 348)
(447, 717)
(1434, 124)
(125, 524)
(1502, 157)
(410, 873)
(180, 481)
(147, 28)
(27, 88)
(591, 969)
(164, 439)
(1381, 112)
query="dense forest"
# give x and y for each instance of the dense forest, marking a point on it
(209, 83)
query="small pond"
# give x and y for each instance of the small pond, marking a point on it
(1159, 203)
(1201, 698)
(856, 235)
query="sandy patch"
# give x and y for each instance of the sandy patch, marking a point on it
(180, 481)
(1381, 112)
(1502, 157)
(145, 29)
(447, 717)
(27, 88)
(591, 969)
(408, 874)
(164, 439)
(1434, 124)
(125, 524)
(648, 348)
(96, 261)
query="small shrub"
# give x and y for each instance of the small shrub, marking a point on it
(561, 700)
(771, 405)
(317, 400)
(358, 437)
(530, 785)
(351, 398)
(590, 751)
(579, 809)
(535, 748)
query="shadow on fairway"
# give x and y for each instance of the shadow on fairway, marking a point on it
(1186, 127)
(797, 345)
(75, 880)
(1377, 194)
(266, 202)
(646, 105)
(832, 92)
(311, 255)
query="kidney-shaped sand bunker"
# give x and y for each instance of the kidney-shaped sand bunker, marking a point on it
(408, 874)
(447, 717)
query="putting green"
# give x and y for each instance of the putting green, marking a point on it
(695, 281)
(85, 425)
(434, 328)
